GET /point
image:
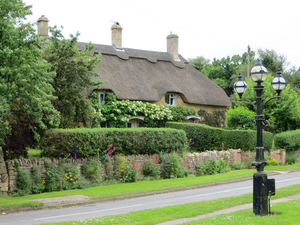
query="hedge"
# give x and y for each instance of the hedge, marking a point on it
(289, 140)
(89, 142)
(210, 138)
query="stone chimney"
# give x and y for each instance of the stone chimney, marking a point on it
(43, 27)
(172, 45)
(116, 35)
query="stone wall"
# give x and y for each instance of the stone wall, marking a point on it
(8, 173)
(3, 174)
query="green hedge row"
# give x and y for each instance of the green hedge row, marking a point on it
(289, 140)
(210, 138)
(59, 142)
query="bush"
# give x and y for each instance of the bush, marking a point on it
(211, 166)
(240, 118)
(72, 173)
(91, 142)
(53, 177)
(23, 182)
(35, 176)
(272, 162)
(239, 165)
(151, 167)
(290, 160)
(91, 170)
(130, 174)
(222, 166)
(172, 168)
(119, 167)
(211, 138)
(289, 140)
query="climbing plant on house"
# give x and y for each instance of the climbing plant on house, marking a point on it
(117, 113)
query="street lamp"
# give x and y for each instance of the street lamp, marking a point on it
(259, 74)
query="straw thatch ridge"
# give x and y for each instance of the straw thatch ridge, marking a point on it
(148, 75)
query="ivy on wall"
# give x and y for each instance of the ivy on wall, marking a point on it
(117, 113)
(215, 119)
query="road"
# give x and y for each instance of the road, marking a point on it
(137, 204)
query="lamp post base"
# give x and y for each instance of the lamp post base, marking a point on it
(260, 193)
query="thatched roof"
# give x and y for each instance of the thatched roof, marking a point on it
(148, 75)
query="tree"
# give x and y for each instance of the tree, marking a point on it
(74, 70)
(282, 114)
(198, 63)
(272, 61)
(240, 118)
(223, 71)
(24, 80)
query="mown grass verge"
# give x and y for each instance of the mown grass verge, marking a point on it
(282, 213)
(159, 215)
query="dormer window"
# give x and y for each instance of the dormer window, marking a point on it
(101, 98)
(171, 99)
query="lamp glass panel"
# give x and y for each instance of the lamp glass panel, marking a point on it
(240, 86)
(278, 83)
(260, 73)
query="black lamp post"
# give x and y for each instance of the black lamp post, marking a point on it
(259, 74)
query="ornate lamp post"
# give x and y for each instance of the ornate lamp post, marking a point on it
(259, 74)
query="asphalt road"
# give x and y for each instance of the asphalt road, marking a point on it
(137, 204)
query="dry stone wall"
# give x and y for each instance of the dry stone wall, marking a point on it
(8, 173)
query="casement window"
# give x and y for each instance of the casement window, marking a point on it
(101, 98)
(171, 99)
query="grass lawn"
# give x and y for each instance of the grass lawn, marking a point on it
(282, 213)
(34, 153)
(159, 215)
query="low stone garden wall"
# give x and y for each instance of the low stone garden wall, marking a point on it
(8, 173)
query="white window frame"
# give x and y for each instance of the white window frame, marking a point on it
(101, 96)
(172, 99)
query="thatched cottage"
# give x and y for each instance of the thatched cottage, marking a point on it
(162, 78)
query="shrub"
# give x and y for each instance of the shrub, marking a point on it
(288, 140)
(91, 170)
(211, 166)
(72, 173)
(239, 165)
(151, 167)
(130, 174)
(201, 168)
(53, 177)
(23, 181)
(240, 118)
(171, 167)
(222, 166)
(272, 162)
(119, 166)
(92, 142)
(206, 138)
(290, 159)
(35, 176)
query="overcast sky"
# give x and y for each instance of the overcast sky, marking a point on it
(210, 28)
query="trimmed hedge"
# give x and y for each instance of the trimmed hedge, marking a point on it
(289, 140)
(89, 142)
(211, 138)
